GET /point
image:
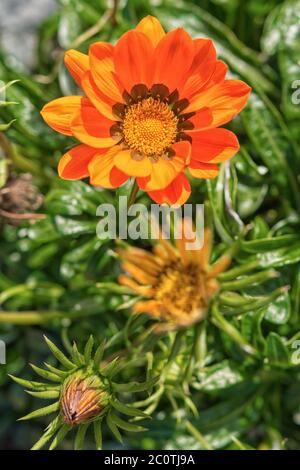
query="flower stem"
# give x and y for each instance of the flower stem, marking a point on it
(133, 194)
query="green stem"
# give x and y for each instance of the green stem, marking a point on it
(197, 434)
(230, 330)
(133, 194)
(251, 280)
(29, 318)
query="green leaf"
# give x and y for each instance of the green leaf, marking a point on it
(88, 349)
(45, 395)
(80, 436)
(128, 410)
(113, 428)
(98, 434)
(278, 311)
(46, 410)
(125, 425)
(276, 350)
(34, 385)
(45, 374)
(218, 377)
(59, 355)
(60, 436)
(48, 434)
(135, 386)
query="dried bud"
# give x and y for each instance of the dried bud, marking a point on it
(19, 194)
(82, 399)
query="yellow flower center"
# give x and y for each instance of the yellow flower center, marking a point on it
(150, 127)
(184, 291)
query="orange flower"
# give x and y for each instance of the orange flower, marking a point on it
(152, 107)
(178, 284)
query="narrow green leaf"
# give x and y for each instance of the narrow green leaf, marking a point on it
(125, 425)
(46, 410)
(60, 436)
(46, 394)
(45, 374)
(59, 355)
(48, 434)
(113, 428)
(33, 385)
(88, 349)
(98, 434)
(80, 436)
(128, 410)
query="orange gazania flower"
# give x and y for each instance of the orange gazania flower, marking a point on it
(152, 109)
(177, 284)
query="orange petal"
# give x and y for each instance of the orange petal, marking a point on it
(77, 64)
(103, 69)
(73, 165)
(102, 102)
(139, 274)
(133, 59)
(225, 99)
(163, 172)
(213, 145)
(176, 194)
(203, 170)
(201, 120)
(152, 28)
(141, 290)
(220, 72)
(137, 168)
(151, 307)
(100, 169)
(173, 58)
(90, 127)
(59, 113)
(202, 68)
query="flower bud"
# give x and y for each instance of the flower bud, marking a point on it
(82, 398)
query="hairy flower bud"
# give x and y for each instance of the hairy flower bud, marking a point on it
(82, 398)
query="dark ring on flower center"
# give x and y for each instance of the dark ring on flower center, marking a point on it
(158, 93)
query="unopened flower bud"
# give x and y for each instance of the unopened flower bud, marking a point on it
(82, 398)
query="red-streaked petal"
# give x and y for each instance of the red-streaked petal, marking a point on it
(202, 68)
(73, 165)
(101, 168)
(103, 69)
(214, 145)
(117, 177)
(59, 113)
(138, 168)
(163, 172)
(225, 99)
(99, 100)
(77, 63)
(90, 127)
(133, 59)
(203, 170)
(152, 28)
(173, 58)
(176, 194)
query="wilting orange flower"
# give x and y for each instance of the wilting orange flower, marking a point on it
(152, 109)
(178, 284)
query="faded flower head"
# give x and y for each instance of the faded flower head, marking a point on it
(19, 195)
(152, 109)
(178, 283)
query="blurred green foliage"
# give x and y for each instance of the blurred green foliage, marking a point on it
(53, 272)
